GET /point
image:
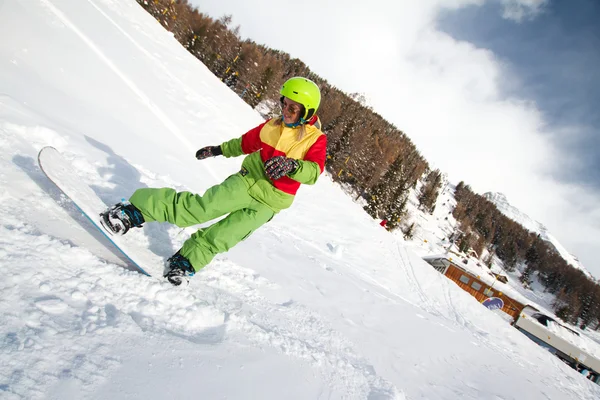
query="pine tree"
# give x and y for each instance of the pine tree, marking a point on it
(430, 190)
(409, 231)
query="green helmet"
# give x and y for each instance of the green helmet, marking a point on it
(303, 91)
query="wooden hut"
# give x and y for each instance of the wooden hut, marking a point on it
(472, 284)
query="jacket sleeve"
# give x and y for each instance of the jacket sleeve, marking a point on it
(313, 164)
(248, 143)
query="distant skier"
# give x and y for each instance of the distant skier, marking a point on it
(231, 80)
(282, 154)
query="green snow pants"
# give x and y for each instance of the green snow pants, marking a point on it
(186, 209)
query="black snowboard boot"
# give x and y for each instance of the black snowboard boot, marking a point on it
(121, 217)
(178, 269)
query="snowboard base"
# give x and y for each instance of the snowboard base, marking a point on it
(132, 247)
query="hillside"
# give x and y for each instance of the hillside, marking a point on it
(433, 235)
(530, 224)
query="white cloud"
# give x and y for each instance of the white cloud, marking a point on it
(518, 10)
(445, 94)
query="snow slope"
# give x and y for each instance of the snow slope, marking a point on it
(320, 303)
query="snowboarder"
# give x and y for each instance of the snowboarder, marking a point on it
(282, 153)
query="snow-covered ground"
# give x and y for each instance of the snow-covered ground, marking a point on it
(320, 303)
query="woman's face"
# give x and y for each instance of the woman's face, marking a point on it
(291, 111)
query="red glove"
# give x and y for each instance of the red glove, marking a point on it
(279, 166)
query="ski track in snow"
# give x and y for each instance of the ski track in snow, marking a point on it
(73, 295)
(169, 124)
(145, 99)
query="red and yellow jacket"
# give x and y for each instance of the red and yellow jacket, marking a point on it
(271, 139)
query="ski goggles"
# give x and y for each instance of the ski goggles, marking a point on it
(290, 107)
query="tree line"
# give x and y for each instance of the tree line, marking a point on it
(483, 226)
(373, 157)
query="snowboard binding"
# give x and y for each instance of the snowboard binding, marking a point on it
(178, 269)
(121, 217)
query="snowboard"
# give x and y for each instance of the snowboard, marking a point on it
(132, 247)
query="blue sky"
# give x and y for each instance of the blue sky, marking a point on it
(554, 59)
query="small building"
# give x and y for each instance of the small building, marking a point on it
(473, 284)
(547, 332)
(559, 340)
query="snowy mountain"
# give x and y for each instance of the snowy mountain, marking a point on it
(530, 224)
(321, 303)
